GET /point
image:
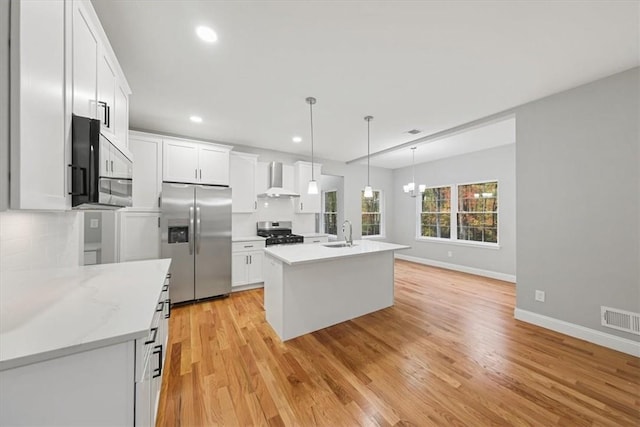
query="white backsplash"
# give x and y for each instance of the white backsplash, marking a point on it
(244, 224)
(30, 240)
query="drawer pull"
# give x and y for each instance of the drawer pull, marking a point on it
(158, 371)
(168, 302)
(248, 246)
(154, 334)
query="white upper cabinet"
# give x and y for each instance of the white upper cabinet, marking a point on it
(100, 89)
(213, 163)
(106, 93)
(307, 203)
(147, 175)
(40, 127)
(242, 180)
(180, 161)
(195, 162)
(85, 62)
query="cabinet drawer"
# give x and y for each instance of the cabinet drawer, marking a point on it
(247, 246)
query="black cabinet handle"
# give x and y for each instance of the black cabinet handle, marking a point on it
(160, 306)
(165, 288)
(158, 371)
(84, 181)
(154, 334)
(168, 302)
(106, 112)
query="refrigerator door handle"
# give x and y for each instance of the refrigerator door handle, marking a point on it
(191, 227)
(198, 230)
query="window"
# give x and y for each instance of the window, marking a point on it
(330, 212)
(372, 214)
(477, 217)
(435, 213)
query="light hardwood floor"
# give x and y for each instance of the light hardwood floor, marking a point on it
(448, 353)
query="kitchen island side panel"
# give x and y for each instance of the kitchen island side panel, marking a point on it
(321, 294)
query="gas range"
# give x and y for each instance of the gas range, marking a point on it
(277, 233)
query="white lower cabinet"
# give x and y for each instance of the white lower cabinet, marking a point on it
(115, 385)
(150, 358)
(246, 262)
(139, 235)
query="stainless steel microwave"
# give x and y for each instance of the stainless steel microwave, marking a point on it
(101, 175)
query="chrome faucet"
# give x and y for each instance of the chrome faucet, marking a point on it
(348, 240)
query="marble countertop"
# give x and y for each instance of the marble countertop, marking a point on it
(246, 238)
(50, 313)
(300, 254)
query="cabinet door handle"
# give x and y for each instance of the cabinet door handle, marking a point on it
(85, 181)
(255, 205)
(246, 259)
(250, 259)
(154, 335)
(158, 222)
(105, 121)
(106, 165)
(301, 206)
(160, 306)
(158, 201)
(158, 371)
(168, 303)
(196, 170)
(200, 173)
(165, 288)
(111, 165)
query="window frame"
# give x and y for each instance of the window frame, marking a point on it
(322, 212)
(453, 240)
(382, 234)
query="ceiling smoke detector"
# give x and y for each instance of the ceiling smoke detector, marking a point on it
(414, 131)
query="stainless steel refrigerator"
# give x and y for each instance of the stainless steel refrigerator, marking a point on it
(196, 235)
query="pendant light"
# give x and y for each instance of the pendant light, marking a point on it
(410, 188)
(368, 191)
(313, 184)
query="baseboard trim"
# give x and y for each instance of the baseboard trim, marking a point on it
(462, 268)
(247, 287)
(613, 342)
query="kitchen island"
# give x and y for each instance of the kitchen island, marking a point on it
(313, 286)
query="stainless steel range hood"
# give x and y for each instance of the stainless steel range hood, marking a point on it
(275, 189)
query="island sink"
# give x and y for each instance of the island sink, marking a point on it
(339, 245)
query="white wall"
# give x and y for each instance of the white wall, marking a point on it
(578, 202)
(487, 165)
(30, 240)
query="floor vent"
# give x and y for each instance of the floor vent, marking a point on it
(620, 319)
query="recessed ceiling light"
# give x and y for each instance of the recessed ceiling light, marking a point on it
(196, 119)
(206, 34)
(296, 139)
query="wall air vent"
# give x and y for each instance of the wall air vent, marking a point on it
(414, 131)
(620, 319)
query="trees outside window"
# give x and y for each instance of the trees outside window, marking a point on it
(372, 214)
(435, 213)
(477, 215)
(330, 212)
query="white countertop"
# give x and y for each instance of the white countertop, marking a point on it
(300, 254)
(246, 238)
(55, 312)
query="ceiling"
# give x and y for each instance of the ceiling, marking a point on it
(429, 65)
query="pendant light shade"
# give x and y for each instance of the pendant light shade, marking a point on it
(368, 191)
(313, 184)
(410, 188)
